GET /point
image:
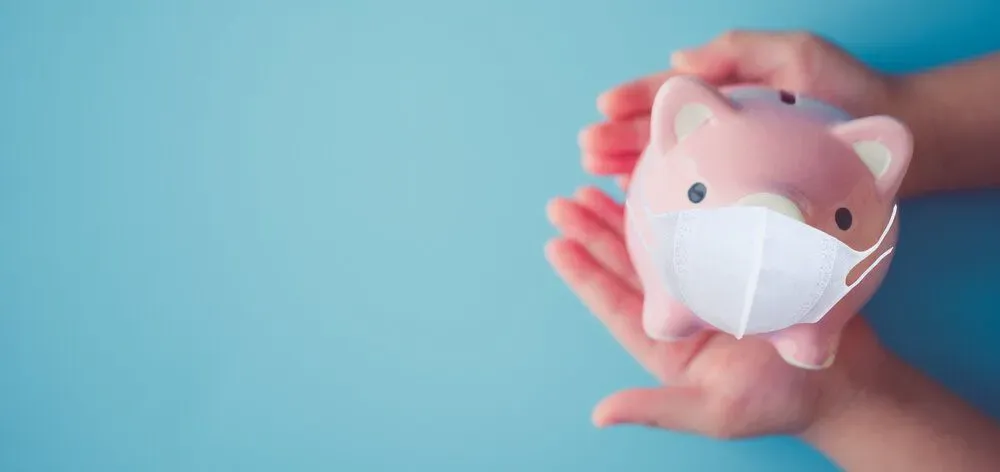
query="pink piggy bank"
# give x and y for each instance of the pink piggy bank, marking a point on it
(757, 212)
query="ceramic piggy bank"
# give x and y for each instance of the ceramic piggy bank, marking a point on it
(754, 211)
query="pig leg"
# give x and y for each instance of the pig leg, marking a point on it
(666, 319)
(809, 346)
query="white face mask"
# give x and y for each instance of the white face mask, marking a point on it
(750, 270)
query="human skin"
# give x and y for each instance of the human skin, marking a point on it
(869, 411)
(953, 111)
(898, 419)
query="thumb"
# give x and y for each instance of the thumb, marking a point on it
(744, 56)
(807, 349)
(674, 408)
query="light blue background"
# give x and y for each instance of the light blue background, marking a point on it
(308, 235)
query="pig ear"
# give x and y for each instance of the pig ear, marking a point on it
(682, 105)
(884, 144)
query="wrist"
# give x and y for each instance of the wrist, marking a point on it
(862, 431)
(892, 417)
(910, 100)
(850, 394)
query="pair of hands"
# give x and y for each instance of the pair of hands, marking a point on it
(716, 385)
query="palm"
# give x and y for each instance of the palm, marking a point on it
(717, 385)
(743, 384)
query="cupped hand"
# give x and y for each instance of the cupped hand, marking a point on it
(794, 61)
(715, 385)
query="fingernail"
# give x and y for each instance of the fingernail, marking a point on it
(581, 137)
(681, 59)
(832, 353)
(583, 192)
(788, 350)
(601, 423)
(653, 326)
(602, 102)
(661, 336)
(657, 324)
(829, 361)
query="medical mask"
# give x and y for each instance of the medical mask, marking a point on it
(751, 270)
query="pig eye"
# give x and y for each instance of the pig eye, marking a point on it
(843, 218)
(697, 192)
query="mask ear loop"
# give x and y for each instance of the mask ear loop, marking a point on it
(878, 244)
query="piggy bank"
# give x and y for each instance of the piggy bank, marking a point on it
(758, 212)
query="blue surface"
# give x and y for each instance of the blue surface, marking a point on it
(307, 235)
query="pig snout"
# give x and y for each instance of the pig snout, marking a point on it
(773, 202)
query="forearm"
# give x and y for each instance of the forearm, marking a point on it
(954, 114)
(906, 421)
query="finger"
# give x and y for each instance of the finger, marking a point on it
(624, 181)
(807, 346)
(606, 208)
(616, 137)
(604, 243)
(633, 98)
(614, 302)
(673, 408)
(609, 164)
(739, 55)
